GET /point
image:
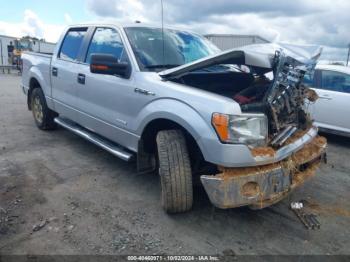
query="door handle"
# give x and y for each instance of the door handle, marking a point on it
(144, 92)
(54, 71)
(81, 79)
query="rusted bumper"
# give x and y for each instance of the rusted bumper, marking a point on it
(262, 186)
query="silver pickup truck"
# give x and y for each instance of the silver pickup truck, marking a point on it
(233, 121)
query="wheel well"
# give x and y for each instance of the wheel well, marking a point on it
(149, 134)
(33, 83)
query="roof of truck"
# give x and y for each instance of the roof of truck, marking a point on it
(125, 25)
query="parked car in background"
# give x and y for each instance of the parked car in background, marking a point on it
(331, 111)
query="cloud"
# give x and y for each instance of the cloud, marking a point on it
(122, 10)
(33, 26)
(205, 8)
(323, 22)
(333, 54)
(68, 19)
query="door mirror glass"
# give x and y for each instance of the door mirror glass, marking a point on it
(109, 65)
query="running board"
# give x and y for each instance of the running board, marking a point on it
(109, 146)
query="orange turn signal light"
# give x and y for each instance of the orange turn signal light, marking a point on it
(99, 67)
(221, 125)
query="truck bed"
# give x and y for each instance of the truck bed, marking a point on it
(39, 62)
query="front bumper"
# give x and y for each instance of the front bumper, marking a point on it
(239, 155)
(262, 186)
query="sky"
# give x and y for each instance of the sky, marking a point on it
(316, 22)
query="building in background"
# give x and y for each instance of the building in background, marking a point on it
(228, 41)
(11, 48)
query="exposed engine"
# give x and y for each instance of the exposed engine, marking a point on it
(281, 99)
(244, 78)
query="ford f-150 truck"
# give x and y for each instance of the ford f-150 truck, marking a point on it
(234, 121)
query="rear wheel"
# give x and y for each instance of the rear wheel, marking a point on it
(175, 171)
(43, 116)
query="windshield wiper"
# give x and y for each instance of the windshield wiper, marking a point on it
(161, 66)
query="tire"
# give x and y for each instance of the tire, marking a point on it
(43, 116)
(174, 171)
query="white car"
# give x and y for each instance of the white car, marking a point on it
(331, 111)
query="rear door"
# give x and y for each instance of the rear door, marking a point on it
(332, 110)
(64, 68)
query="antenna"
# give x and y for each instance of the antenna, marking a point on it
(347, 61)
(162, 10)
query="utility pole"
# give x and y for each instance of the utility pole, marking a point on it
(1, 53)
(347, 61)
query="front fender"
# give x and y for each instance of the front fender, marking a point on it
(197, 125)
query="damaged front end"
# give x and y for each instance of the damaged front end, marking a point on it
(262, 186)
(265, 80)
(274, 125)
(282, 100)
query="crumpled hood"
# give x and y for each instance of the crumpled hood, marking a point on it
(259, 55)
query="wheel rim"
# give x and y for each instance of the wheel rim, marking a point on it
(37, 109)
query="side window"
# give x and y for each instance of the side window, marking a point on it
(335, 81)
(106, 41)
(71, 44)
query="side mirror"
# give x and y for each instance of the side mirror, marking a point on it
(109, 65)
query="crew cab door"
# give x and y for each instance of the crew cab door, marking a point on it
(332, 109)
(64, 68)
(104, 100)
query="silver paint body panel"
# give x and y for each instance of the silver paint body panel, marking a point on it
(110, 107)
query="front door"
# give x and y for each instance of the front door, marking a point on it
(103, 99)
(332, 110)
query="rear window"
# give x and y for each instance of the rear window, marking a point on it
(72, 43)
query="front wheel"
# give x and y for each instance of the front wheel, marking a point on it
(43, 116)
(175, 171)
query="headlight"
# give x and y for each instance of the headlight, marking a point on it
(249, 129)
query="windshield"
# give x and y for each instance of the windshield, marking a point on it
(180, 47)
(23, 44)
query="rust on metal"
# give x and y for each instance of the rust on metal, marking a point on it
(265, 185)
(228, 173)
(263, 151)
(306, 154)
(311, 95)
(250, 189)
(271, 152)
(300, 177)
(310, 151)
